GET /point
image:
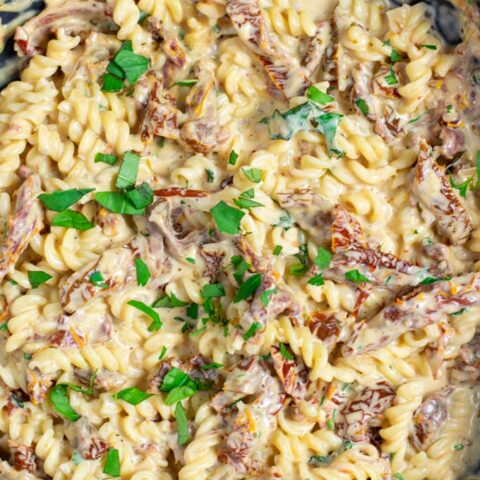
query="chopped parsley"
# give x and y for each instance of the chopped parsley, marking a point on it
(142, 271)
(356, 277)
(227, 218)
(362, 106)
(132, 395)
(248, 288)
(37, 278)
(156, 322)
(252, 330)
(285, 352)
(313, 93)
(253, 174)
(97, 279)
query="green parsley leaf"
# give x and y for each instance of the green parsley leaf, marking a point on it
(117, 202)
(253, 174)
(132, 395)
(241, 267)
(210, 175)
(227, 218)
(59, 399)
(413, 120)
(107, 158)
(143, 16)
(232, 159)
(163, 352)
(72, 219)
(190, 260)
(216, 28)
(212, 290)
(398, 476)
(182, 424)
(285, 125)
(97, 279)
(391, 78)
(319, 459)
(265, 296)
(286, 354)
(317, 280)
(192, 311)
(211, 366)
(112, 463)
(459, 312)
(461, 187)
(356, 277)
(430, 47)
(140, 197)
(323, 258)
(331, 420)
(459, 446)
(252, 330)
(362, 106)
(4, 326)
(86, 391)
(156, 322)
(277, 250)
(127, 174)
(27, 356)
(313, 93)
(245, 200)
(298, 269)
(180, 393)
(285, 221)
(248, 287)
(143, 273)
(395, 56)
(62, 199)
(430, 280)
(129, 65)
(77, 458)
(189, 82)
(37, 277)
(111, 83)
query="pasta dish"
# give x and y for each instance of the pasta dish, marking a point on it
(240, 240)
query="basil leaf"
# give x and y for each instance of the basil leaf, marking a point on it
(323, 258)
(189, 82)
(212, 290)
(356, 277)
(313, 93)
(253, 174)
(327, 124)
(72, 219)
(141, 196)
(182, 424)
(132, 395)
(169, 302)
(285, 125)
(156, 322)
(111, 83)
(112, 463)
(116, 202)
(227, 218)
(132, 65)
(265, 296)
(277, 250)
(232, 159)
(461, 187)
(391, 78)
(127, 174)
(180, 393)
(37, 277)
(317, 280)
(285, 352)
(211, 366)
(252, 330)
(248, 287)
(59, 399)
(107, 158)
(176, 378)
(362, 106)
(163, 352)
(62, 199)
(97, 279)
(143, 274)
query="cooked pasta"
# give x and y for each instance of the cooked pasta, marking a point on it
(240, 239)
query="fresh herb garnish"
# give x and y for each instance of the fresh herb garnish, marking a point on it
(37, 277)
(248, 287)
(143, 16)
(245, 200)
(356, 277)
(140, 197)
(211, 366)
(107, 158)
(212, 290)
(461, 187)
(459, 446)
(391, 78)
(210, 175)
(398, 476)
(72, 219)
(253, 174)
(176, 378)
(97, 279)
(62, 199)
(317, 280)
(227, 218)
(156, 322)
(127, 174)
(189, 82)
(277, 250)
(182, 424)
(132, 395)
(313, 93)
(143, 273)
(395, 56)
(265, 296)
(285, 352)
(232, 159)
(362, 106)
(112, 463)
(163, 352)
(430, 47)
(59, 399)
(116, 202)
(430, 280)
(459, 312)
(323, 258)
(169, 301)
(252, 330)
